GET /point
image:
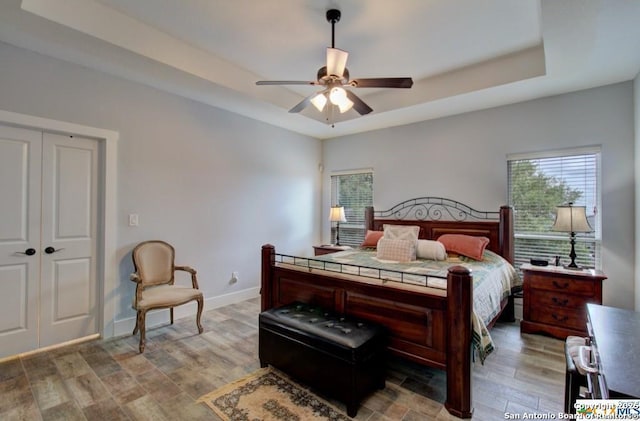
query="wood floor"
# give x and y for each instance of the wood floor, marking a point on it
(110, 380)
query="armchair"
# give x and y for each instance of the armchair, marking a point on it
(155, 284)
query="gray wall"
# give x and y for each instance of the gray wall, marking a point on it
(214, 184)
(218, 185)
(464, 158)
(636, 111)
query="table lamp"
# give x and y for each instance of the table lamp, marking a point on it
(337, 215)
(572, 219)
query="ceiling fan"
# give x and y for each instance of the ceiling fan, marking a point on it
(334, 77)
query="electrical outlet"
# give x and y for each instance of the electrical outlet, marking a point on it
(234, 278)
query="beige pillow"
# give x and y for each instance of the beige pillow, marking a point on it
(401, 232)
(396, 250)
(430, 249)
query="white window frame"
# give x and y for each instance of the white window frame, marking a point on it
(597, 235)
(346, 239)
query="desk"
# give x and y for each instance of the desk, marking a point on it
(616, 333)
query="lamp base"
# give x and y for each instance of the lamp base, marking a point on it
(569, 267)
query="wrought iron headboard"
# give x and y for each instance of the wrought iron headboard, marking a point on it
(435, 209)
(437, 216)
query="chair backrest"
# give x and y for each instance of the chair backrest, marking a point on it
(154, 262)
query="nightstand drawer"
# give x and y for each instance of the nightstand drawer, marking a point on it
(558, 316)
(561, 284)
(544, 298)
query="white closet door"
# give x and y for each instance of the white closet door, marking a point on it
(20, 169)
(69, 227)
(48, 229)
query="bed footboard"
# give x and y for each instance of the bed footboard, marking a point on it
(428, 328)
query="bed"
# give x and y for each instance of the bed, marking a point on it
(430, 313)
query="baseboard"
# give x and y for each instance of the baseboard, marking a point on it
(161, 317)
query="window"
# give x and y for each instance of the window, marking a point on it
(537, 184)
(354, 191)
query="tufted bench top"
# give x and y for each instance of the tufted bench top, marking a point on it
(348, 332)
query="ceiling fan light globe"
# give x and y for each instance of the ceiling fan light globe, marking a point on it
(337, 96)
(319, 101)
(345, 106)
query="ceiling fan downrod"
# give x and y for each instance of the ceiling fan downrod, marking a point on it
(333, 16)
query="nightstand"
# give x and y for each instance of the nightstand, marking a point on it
(328, 248)
(555, 299)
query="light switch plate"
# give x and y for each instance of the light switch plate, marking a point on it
(133, 219)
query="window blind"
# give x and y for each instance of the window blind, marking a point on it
(540, 183)
(354, 191)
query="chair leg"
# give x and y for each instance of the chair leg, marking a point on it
(141, 325)
(135, 329)
(171, 313)
(200, 306)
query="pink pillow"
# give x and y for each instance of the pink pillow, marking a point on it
(371, 239)
(466, 245)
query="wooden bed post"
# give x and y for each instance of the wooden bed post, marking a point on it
(506, 233)
(266, 288)
(459, 304)
(368, 218)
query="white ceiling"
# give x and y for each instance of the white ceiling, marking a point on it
(463, 55)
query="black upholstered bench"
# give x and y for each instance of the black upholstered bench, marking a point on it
(339, 356)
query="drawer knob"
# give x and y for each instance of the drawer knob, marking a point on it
(559, 318)
(560, 302)
(557, 285)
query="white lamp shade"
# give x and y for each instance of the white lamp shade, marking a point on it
(345, 105)
(571, 219)
(319, 101)
(337, 96)
(336, 61)
(337, 214)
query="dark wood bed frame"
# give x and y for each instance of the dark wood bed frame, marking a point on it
(429, 327)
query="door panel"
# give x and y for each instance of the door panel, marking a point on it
(72, 289)
(69, 226)
(20, 171)
(13, 299)
(71, 191)
(49, 189)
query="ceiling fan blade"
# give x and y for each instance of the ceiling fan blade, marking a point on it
(286, 82)
(358, 104)
(303, 104)
(383, 82)
(336, 61)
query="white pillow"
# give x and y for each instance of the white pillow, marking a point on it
(401, 232)
(431, 249)
(396, 250)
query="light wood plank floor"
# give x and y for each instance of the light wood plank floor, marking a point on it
(110, 380)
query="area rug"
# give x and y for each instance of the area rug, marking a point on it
(269, 395)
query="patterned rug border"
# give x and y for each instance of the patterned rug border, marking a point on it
(229, 387)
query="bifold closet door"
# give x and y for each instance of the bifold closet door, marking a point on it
(20, 207)
(68, 287)
(48, 283)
